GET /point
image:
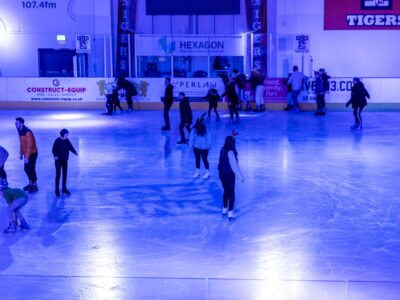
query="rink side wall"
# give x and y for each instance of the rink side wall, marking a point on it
(89, 93)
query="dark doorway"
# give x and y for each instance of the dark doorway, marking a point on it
(56, 62)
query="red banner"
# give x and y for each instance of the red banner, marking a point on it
(362, 15)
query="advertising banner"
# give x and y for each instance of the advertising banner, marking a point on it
(150, 45)
(94, 89)
(382, 90)
(257, 24)
(362, 15)
(126, 26)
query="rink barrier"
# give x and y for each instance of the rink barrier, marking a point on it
(274, 106)
(93, 287)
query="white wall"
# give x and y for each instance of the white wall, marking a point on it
(24, 30)
(344, 53)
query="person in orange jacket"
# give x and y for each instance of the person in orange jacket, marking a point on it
(28, 152)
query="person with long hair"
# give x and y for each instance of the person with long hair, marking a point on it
(358, 101)
(200, 140)
(228, 168)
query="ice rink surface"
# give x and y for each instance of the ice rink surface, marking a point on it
(317, 216)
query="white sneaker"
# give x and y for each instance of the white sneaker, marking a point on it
(207, 174)
(224, 210)
(196, 174)
(231, 215)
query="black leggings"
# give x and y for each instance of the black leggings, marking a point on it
(212, 107)
(204, 154)
(357, 114)
(228, 183)
(233, 109)
(61, 164)
(3, 174)
(30, 167)
(321, 102)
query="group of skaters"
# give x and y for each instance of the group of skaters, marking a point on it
(118, 88)
(17, 198)
(296, 80)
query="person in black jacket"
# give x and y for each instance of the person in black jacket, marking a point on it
(228, 170)
(61, 148)
(213, 98)
(358, 101)
(168, 100)
(130, 90)
(233, 100)
(186, 116)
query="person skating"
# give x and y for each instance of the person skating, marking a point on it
(61, 148)
(28, 152)
(213, 98)
(130, 91)
(358, 101)
(319, 94)
(3, 158)
(233, 100)
(168, 100)
(186, 116)
(16, 199)
(200, 140)
(228, 168)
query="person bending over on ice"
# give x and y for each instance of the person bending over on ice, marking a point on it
(16, 199)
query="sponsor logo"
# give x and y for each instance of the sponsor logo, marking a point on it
(376, 4)
(56, 82)
(167, 47)
(372, 20)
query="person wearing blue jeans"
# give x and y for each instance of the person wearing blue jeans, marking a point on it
(16, 199)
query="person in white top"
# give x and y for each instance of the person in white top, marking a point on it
(296, 79)
(228, 170)
(200, 140)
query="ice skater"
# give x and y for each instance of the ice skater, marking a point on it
(61, 148)
(213, 98)
(200, 140)
(168, 101)
(16, 199)
(233, 101)
(358, 101)
(228, 168)
(28, 152)
(3, 158)
(186, 116)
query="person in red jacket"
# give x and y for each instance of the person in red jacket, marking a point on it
(28, 152)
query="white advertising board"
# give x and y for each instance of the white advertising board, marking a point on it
(93, 89)
(381, 90)
(176, 45)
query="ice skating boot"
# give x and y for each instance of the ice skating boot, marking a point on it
(11, 228)
(224, 211)
(231, 215)
(197, 173)
(24, 225)
(206, 174)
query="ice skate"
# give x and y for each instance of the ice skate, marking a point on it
(11, 228)
(24, 225)
(231, 215)
(196, 174)
(224, 211)
(206, 174)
